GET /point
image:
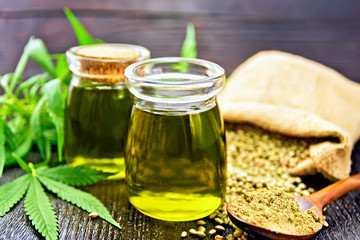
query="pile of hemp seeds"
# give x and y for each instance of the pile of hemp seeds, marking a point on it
(256, 159)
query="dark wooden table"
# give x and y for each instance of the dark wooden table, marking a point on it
(228, 32)
(343, 215)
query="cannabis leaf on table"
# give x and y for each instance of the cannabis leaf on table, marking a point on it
(58, 180)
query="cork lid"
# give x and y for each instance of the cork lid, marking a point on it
(104, 62)
(107, 52)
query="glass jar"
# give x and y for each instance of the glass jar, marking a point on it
(175, 151)
(99, 105)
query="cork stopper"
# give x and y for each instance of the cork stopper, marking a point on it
(107, 52)
(104, 63)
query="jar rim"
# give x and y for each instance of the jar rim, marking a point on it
(143, 52)
(216, 70)
(163, 80)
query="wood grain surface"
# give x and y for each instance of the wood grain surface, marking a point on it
(228, 32)
(343, 215)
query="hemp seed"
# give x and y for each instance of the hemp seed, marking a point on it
(201, 222)
(212, 231)
(192, 231)
(219, 228)
(93, 215)
(200, 234)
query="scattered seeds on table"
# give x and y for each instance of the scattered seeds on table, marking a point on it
(201, 229)
(93, 215)
(238, 233)
(219, 228)
(201, 222)
(212, 216)
(230, 237)
(200, 234)
(218, 237)
(183, 234)
(192, 231)
(219, 220)
(212, 231)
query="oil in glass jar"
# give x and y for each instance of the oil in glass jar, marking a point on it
(99, 105)
(175, 151)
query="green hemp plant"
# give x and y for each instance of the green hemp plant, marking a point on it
(32, 113)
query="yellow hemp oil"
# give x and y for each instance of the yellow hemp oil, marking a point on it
(175, 151)
(99, 106)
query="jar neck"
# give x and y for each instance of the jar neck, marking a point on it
(174, 108)
(90, 83)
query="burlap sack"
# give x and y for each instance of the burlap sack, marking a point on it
(295, 96)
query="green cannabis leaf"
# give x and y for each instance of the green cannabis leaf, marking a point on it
(74, 176)
(36, 50)
(56, 110)
(32, 111)
(35, 112)
(82, 35)
(189, 49)
(38, 208)
(12, 192)
(35, 124)
(37, 204)
(81, 199)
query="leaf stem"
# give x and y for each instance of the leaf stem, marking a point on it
(33, 171)
(21, 162)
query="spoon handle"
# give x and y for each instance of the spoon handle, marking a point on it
(332, 192)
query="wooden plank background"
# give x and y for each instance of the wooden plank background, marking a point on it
(228, 32)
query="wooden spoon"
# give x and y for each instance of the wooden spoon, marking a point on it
(319, 199)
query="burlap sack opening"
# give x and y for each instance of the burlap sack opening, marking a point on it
(295, 96)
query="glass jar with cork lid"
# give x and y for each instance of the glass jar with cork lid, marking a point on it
(99, 105)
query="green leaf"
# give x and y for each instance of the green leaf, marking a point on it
(82, 35)
(56, 110)
(15, 107)
(52, 91)
(188, 49)
(35, 123)
(25, 145)
(99, 41)
(38, 208)
(36, 50)
(2, 147)
(12, 192)
(5, 83)
(75, 176)
(19, 69)
(21, 162)
(47, 151)
(62, 69)
(24, 86)
(81, 199)
(9, 135)
(34, 91)
(9, 161)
